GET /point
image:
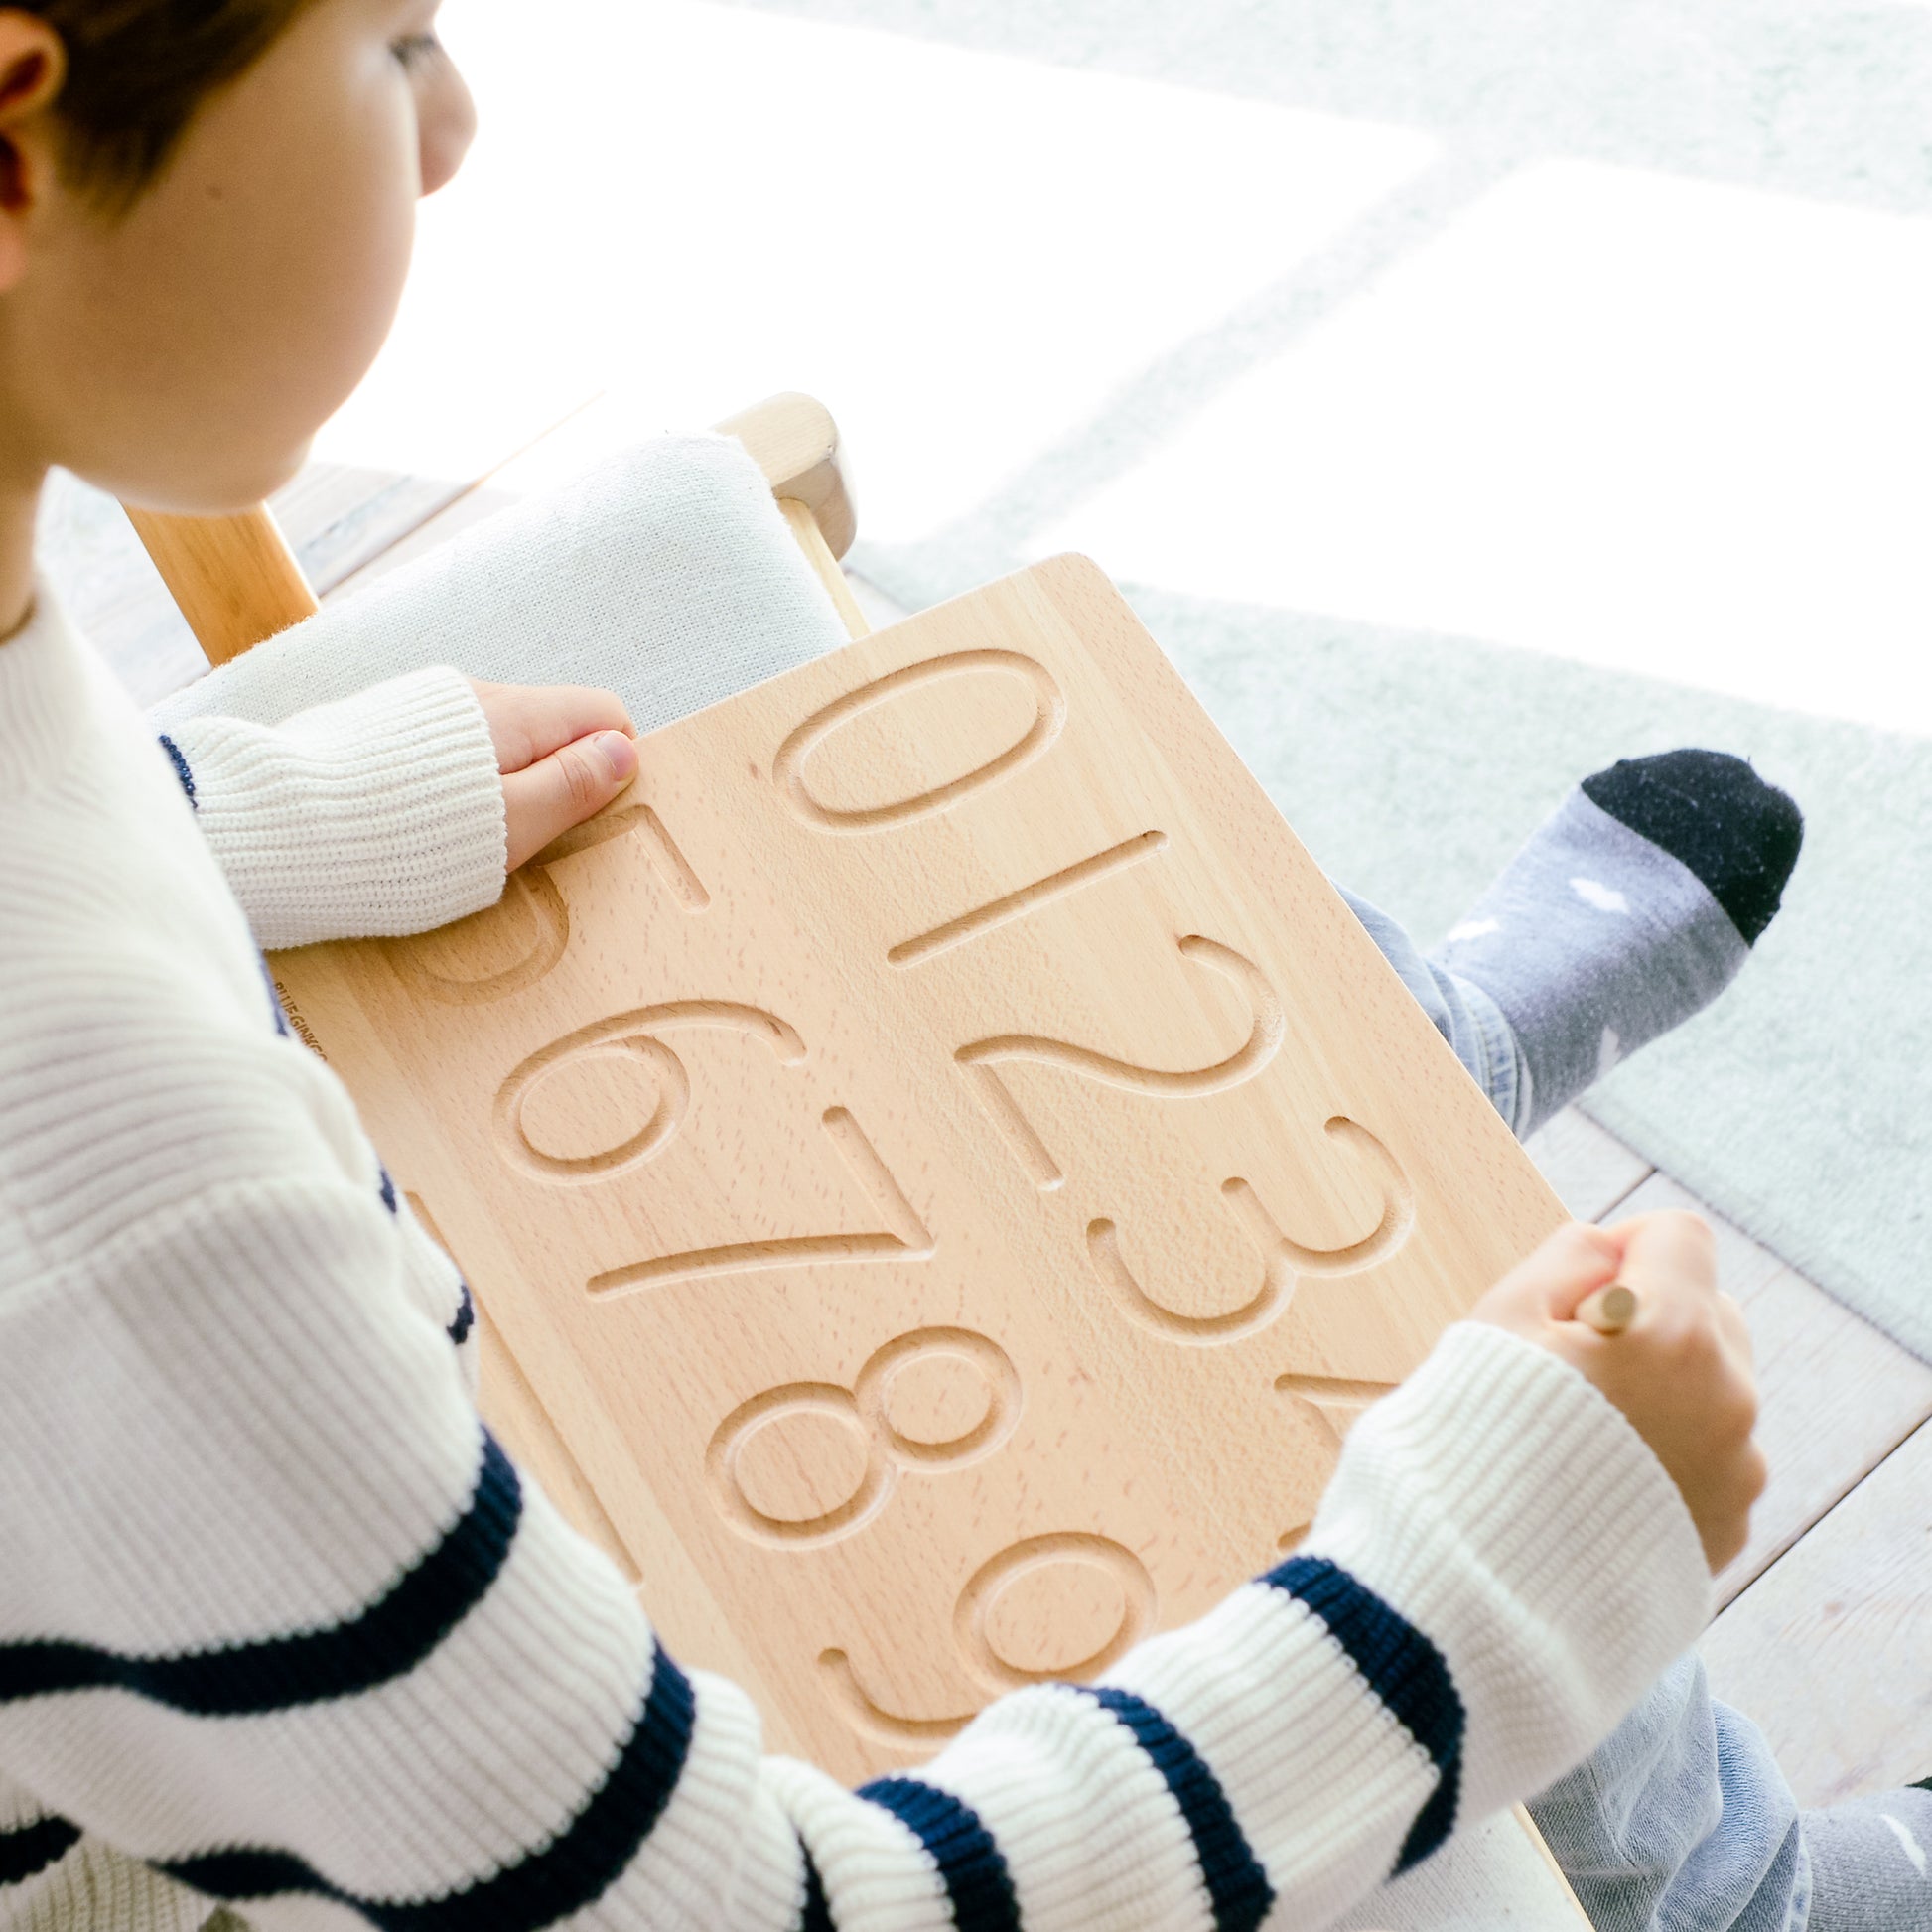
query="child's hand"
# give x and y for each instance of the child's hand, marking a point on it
(1681, 1372)
(565, 752)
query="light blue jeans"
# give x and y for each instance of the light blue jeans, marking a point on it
(1681, 1821)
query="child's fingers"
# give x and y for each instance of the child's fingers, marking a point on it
(545, 801)
(528, 722)
(1546, 1286)
(1571, 1267)
(1669, 1255)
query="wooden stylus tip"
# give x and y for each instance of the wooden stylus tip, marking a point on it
(1610, 1310)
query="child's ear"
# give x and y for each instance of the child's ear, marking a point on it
(33, 69)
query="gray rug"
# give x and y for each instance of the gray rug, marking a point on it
(1801, 1105)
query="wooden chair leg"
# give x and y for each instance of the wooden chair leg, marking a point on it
(234, 577)
(818, 553)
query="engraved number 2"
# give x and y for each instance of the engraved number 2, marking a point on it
(983, 1058)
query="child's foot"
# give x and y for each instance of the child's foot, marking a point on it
(1872, 1863)
(1632, 907)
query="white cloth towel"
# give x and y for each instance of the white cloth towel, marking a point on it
(666, 575)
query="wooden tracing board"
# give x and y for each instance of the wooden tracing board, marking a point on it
(944, 1161)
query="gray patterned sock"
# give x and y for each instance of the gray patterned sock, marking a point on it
(1633, 905)
(1870, 1864)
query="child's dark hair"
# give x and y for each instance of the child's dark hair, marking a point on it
(137, 69)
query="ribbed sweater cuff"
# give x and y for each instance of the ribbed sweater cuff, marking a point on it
(1536, 1538)
(378, 814)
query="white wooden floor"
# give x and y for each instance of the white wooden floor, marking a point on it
(1826, 1635)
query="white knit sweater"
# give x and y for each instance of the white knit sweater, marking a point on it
(280, 1624)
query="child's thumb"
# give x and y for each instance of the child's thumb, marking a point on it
(545, 799)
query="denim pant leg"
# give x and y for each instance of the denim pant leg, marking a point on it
(1463, 1014)
(1680, 1822)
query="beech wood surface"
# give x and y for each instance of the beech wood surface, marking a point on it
(944, 1161)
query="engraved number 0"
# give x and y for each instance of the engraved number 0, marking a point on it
(788, 767)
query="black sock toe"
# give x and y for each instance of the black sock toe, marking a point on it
(1712, 813)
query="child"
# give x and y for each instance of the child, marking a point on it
(280, 1624)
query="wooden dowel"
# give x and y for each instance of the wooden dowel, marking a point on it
(1610, 1310)
(818, 553)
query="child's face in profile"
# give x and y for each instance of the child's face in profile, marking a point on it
(183, 354)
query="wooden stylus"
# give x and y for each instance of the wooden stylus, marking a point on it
(1610, 1310)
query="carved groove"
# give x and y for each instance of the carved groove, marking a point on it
(788, 767)
(798, 1250)
(1275, 1290)
(676, 871)
(630, 1032)
(867, 1407)
(745, 1258)
(530, 889)
(874, 1719)
(673, 1102)
(669, 863)
(1043, 891)
(1335, 1398)
(1282, 1260)
(1388, 1234)
(874, 1388)
(1268, 1028)
(533, 889)
(870, 1171)
(738, 1429)
(976, 1600)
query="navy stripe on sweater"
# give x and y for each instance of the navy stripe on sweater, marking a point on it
(466, 1319)
(1237, 1888)
(391, 1636)
(970, 1863)
(1404, 1669)
(28, 1849)
(815, 1914)
(576, 1868)
(274, 998)
(182, 770)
